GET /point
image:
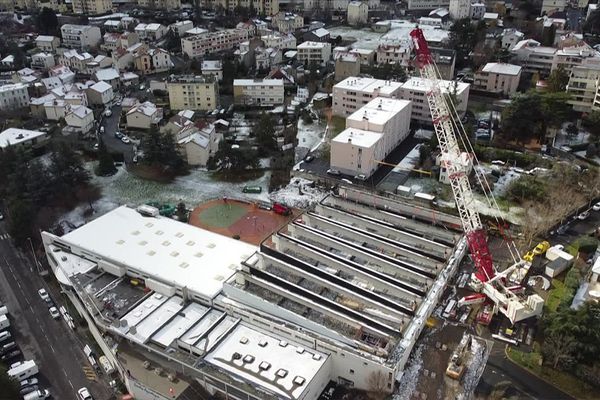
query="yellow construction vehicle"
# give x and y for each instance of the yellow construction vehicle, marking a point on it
(537, 250)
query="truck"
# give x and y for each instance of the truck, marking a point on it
(148, 210)
(4, 322)
(3, 310)
(557, 251)
(23, 370)
(106, 365)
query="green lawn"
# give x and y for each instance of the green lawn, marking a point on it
(555, 295)
(222, 215)
(566, 382)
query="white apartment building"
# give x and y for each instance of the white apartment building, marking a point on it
(358, 13)
(181, 27)
(535, 58)
(313, 52)
(353, 93)
(151, 32)
(80, 36)
(498, 78)
(101, 94)
(91, 7)
(279, 41)
(583, 87)
(144, 116)
(394, 54)
(213, 68)
(258, 92)
(193, 93)
(286, 22)
(47, 43)
(13, 96)
(42, 61)
(459, 9)
(372, 132)
(415, 90)
(427, 4)
(510, 38)
(550, 6)
(198, 46)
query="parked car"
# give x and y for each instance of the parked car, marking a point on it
(44, 295)
(125, 140)
(309, 158)
(361, 177)
(596, 207)
(37, 395)
(54, 312)
(11, 355)
(333, 172)
(29, 382)
(28, 389)
(118, 135)
(84, 394)
(107, 112)
(583, 216)
(1, 216)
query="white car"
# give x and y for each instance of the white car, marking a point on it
(44, 295)
(125, 140)
(54, 312)
(583, 216)
(596, 207)
(29, 382)
(84, 394)
(107, 112)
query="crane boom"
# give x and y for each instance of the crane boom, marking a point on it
(457, 164)
(455, 161)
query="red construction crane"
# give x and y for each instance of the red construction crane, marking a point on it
(458, 161)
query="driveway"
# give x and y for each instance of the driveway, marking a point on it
(114, 144)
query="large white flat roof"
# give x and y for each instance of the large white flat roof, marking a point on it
(258, 82)
(180, 324)
(155, 320)
(284, 368)
(358, 137)
(369, 85)
(423, 85)
(168, 251)
(502, 68)
(12, 136)
(380, 110)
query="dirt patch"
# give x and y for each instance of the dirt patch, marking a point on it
(234, 218)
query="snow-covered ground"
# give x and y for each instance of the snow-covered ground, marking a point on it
(564, 139)
(410, 378)
(298, 194)
(309, 136)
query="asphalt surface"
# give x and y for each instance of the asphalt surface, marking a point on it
(114, 144)
(56, 349)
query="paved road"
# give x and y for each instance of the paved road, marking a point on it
(528, 386)
(111, 125)
(56, 349)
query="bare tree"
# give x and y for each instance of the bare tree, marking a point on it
(558, 350)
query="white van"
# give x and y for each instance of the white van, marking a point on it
(106, 365)
(4, 336)
(23, 370)
(4, 322)
(37, 395)
(3, 310)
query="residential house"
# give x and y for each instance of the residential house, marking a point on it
(153, 61)
(13, 96)
(80, 119)
(258, 92)
(91, 7)
(193, 93)
(198, 143)
(498, 78)
(358, 13)
(286, 22)
(510, 37)
(55, 110)
(416, 5)
(181, 27)
(551, 6)
(160, 4)
(150, 32)
(144, 116)
(583, 86)
(100, 94)
(394, 54)
(46, 43)
(459, 9)
(265, 58)
(279, 41)
(314, 52)
(346, 65)
(109, 75)
(42, 61)
(21, 137)
(80, 36)
(214, 68)
(477, 10)
(113, 25)
(8, 61)
(445, 60)
(416, 89)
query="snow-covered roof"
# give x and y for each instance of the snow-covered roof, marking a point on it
(321, 32)
(147, 108)
(196, 31)
(369, 85)
(12, 136)
(107, 74)
(313, 45)
(127, 76)
(169, 251)
(418, 84)
(490, 15)
(358, 137)
(45, 38)
(187, 114)
(380, 110)
(101, 87)
(38, 101)
(80, 111)
(284, 368)
(8, 59)
(502, 68)
(212, 65)
(113, 23)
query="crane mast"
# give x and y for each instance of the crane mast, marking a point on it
(457, 164)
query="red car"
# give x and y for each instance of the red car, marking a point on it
(281, 209)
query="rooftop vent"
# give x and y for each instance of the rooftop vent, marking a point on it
(299, 350)
(316, 357)
(299, 381)
(135, 233)
(236, 356)
(142, 243)
(151, 253)
(190, 243)
(283, 343)
(149, 225)
(281, 373)
(174, 254)
(264, 366)
(198, 254)
(249, 358)
(159, 232)
(184, 265)
(166, 243)
(211, 245)
(263, 343)
(243, 340)
(120, 241)
(179, 234)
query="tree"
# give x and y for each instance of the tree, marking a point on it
(591, 151)
(591, 122)
(264, 131)
(67, 169)
(558, 350)
(234, 159)
(463, 37)
(20, 220)
(558, 80)
(10, 387)
(554, 108)
(106, 164)
(519, 118)
(182, 214)
(47, 22)
(592, 23)
(161, 150)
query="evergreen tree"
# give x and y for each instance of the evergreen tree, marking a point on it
(9, 387)
(38, 184)
(106, 164)
(558, 80)
(264, 131)
(47, 22)
(67, 169)
(20, 219)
